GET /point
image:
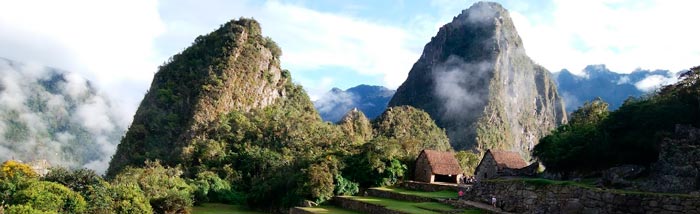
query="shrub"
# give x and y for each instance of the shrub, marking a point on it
(51, 197)
(128, 198)
(166, 191)
(12, 169)
(345, 187)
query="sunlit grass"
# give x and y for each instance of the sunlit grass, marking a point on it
(328, 209)
(439, 194)
(408, 207)
(214, 208)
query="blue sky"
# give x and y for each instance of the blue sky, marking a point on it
(119, 44)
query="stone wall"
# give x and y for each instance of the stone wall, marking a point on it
(427, 187)
(487, 168)
(362, 206)
(522, 197)
(678, 168)
(423, 171)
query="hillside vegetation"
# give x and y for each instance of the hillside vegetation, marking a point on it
(596, 138)
(242, 132)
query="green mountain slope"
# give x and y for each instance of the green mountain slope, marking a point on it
(232, 68)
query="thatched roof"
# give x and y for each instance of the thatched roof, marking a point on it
(442, 163)
(508, 159)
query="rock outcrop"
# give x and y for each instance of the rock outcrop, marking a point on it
(232, 68)
(476, 81)
(678, 167)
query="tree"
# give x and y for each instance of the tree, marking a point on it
(51, 197)
(166, 191)
(128, 198)
(85, 182)
(578, 145)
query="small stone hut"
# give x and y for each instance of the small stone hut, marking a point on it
(503, 163)
(435, 166)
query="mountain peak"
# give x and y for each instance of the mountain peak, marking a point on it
(476, 81)
(233, 68)
(481, 12)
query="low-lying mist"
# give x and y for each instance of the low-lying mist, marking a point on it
(57, 116)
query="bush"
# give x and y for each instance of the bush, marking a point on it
(166, 191)
(23, 209)
(51, 197)
(128, 198)
(12, 169)
(207, 186)
(345, 187)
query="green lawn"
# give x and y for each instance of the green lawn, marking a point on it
(214, 208)
(409, 207)
(328, 209)
(440, 194)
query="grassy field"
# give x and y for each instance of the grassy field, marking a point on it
(328, 209)
(440, 194)
(214, 208)
(409, 207)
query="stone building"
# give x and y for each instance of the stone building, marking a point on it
(41, 167)
(435, 166)
(503, 163)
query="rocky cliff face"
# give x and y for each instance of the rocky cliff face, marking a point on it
(232, 68)
(477, 82)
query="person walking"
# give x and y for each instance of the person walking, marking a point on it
(493, 200)
(461, 194)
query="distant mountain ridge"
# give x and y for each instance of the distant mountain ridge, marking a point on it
(371, 100)
(614, 88)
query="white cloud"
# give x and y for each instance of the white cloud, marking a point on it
(623, 80)
(653, 82)
(312, 39)
(624, 35)
(110, 42)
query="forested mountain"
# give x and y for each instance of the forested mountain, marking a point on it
(232, 68)
(224, 111)
(371, 100)
(477, 82)
(59, 116)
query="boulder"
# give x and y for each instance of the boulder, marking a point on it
(618, 176)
